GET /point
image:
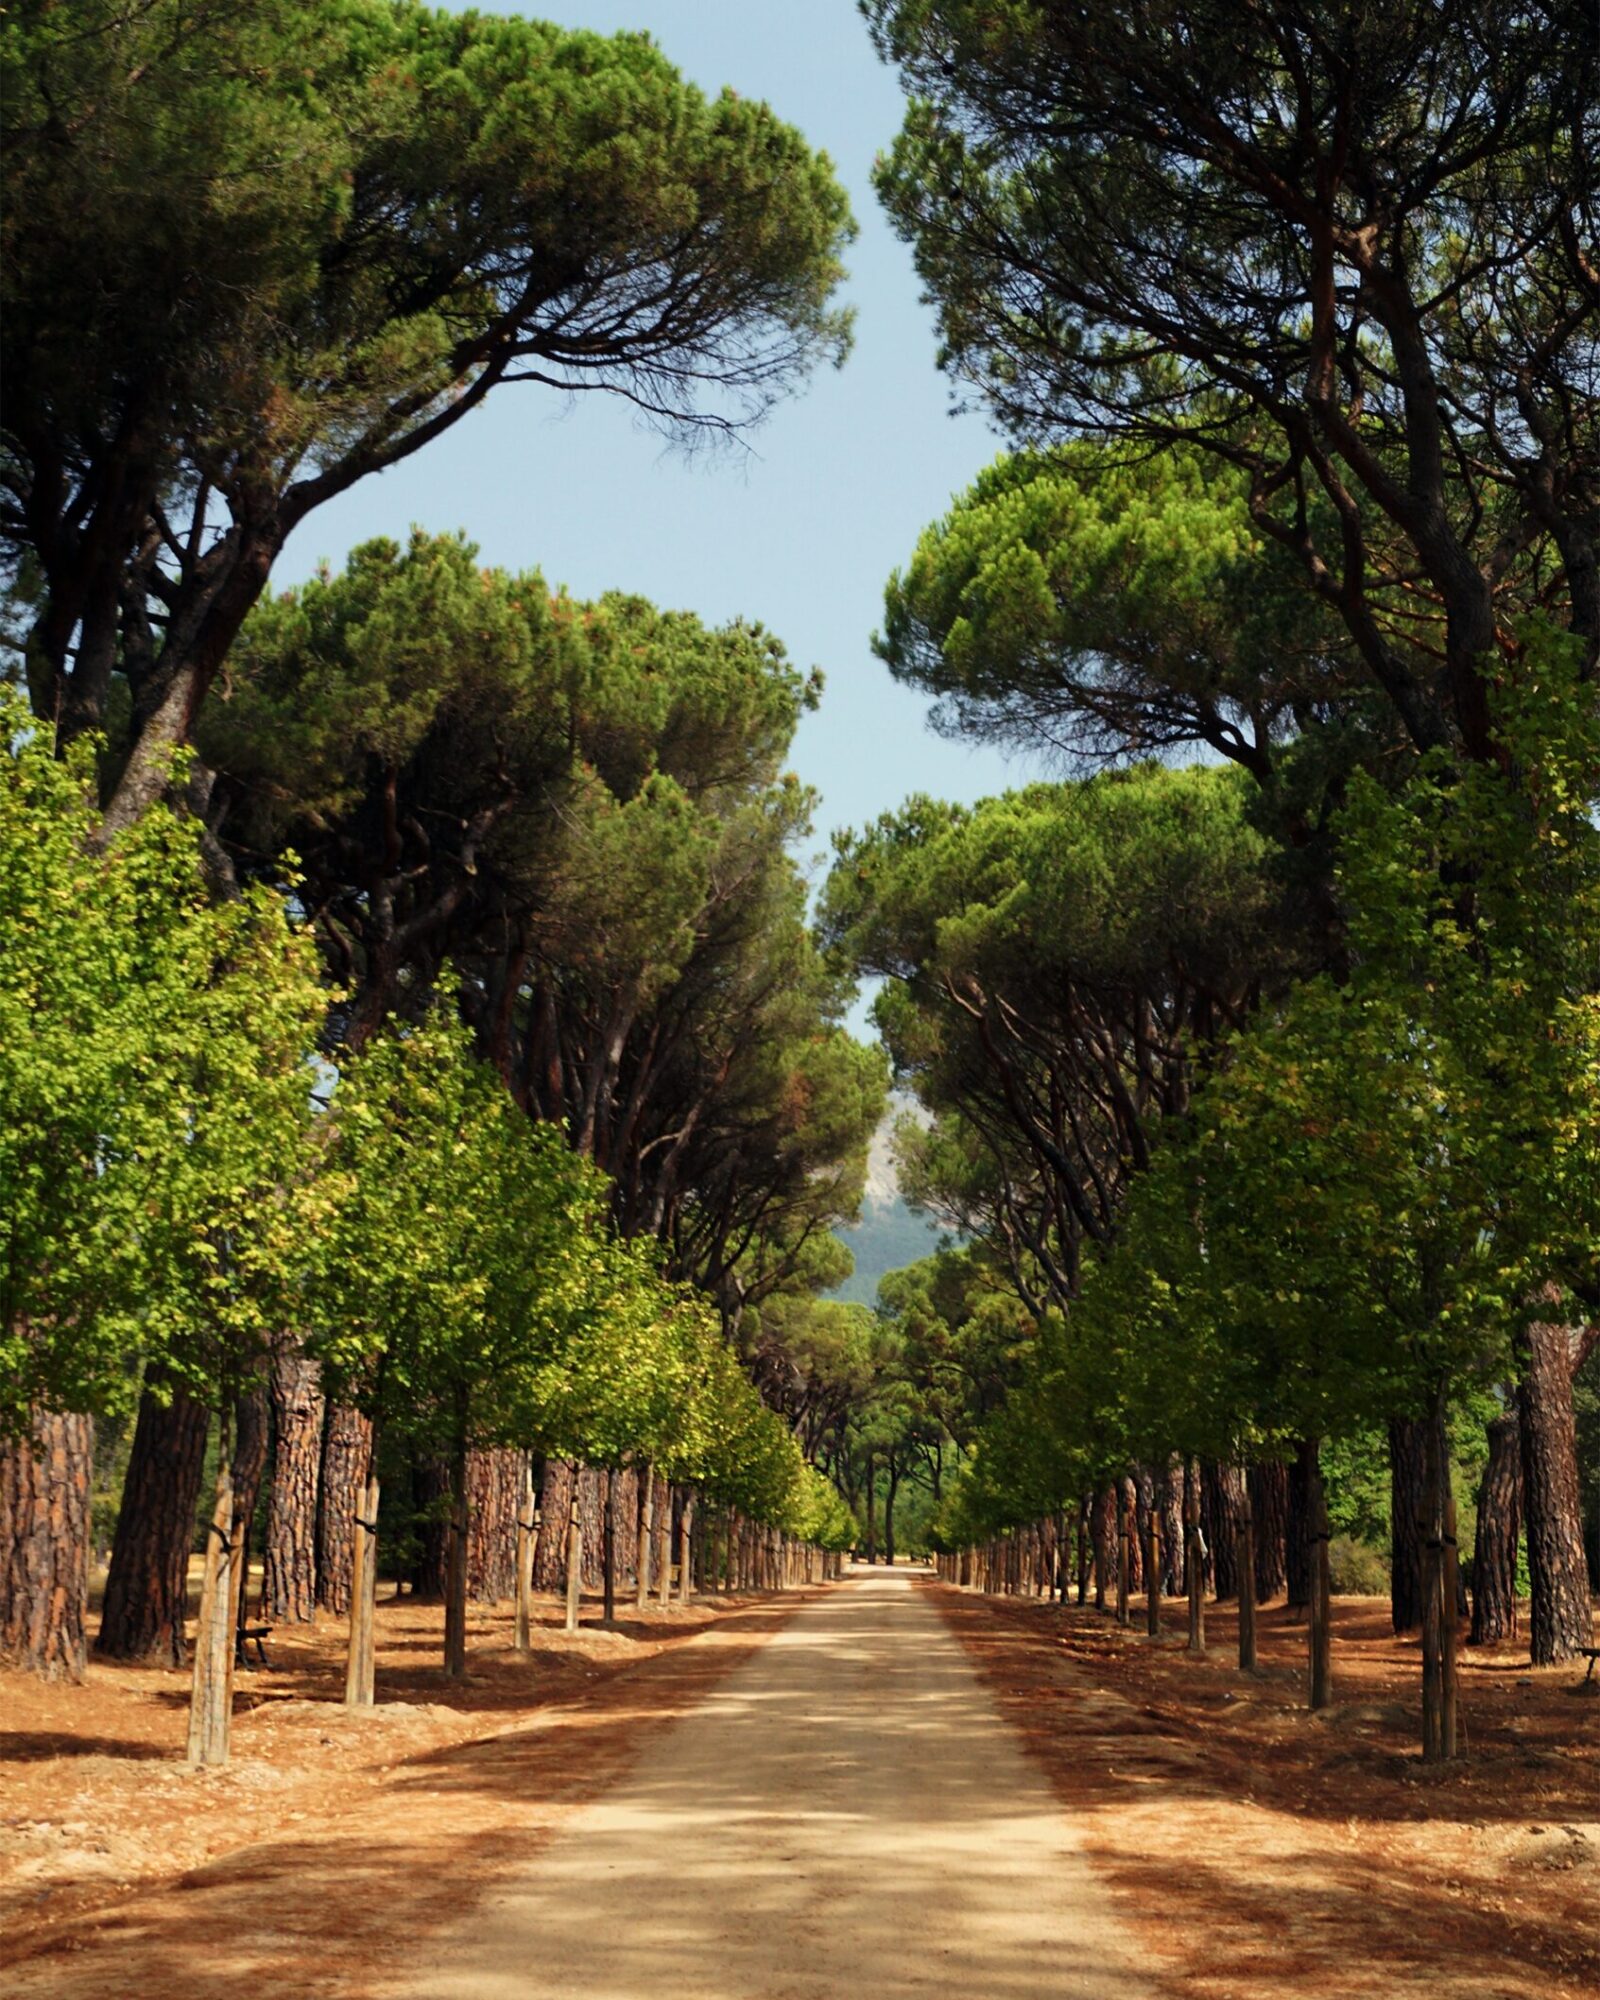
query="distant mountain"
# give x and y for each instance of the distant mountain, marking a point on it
(889, 1235)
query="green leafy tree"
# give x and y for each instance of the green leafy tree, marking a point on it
(255, 254)
(583, 807)
(154, 1051)
(1346, 252)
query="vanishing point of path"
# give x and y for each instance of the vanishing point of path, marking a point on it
(847, 1814)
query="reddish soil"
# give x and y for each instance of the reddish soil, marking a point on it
(334, 1839)
(1263, 1850)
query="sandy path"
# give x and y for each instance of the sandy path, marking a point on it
(847, 1814)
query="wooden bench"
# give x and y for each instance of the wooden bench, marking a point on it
(252, 1635)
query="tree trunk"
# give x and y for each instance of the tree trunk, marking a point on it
(1245, 1567)
(147, 1584)
(1269, 1514)
(664, 1546)
(360, 1680)
(1297, 1540)
(1083, 1549)
(555, 1510)
(289, 1580)
(1124, 1506)
(494, 1480)
(1438, 1593)
(1193, 1557)
(1321, 1692)
(591, 1510)
(1103, 1529)
(872, 1510)
(1152, 1574)
(46, 1484)
(1407, 1477)
(686, 1548)
(608, 1567)
(574, 1554)
(1560, 1617)
(250, 1439)
(647, 1523)
(1172, 1525)
(455, 1596)
(528, 1525)
(211, 1693)
(892, 1468)
(1221, 1496)
(346, 1449)
(1494, 1557)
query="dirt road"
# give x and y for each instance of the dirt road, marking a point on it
(846, 1815)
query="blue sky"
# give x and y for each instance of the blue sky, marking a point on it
(800, 533)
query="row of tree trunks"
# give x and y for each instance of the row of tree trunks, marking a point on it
(46, 1485)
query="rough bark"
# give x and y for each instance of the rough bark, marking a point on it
(346, 1447)
(1269, 1511)
(1172, 1527)
(1221, 1495)
(1560, 1619)
(1193, 1560)
(555, 1500)
(46, 1482)
(211, 1696)
(494, 1482)
(147, 1584)
(289, 1580)
(1494, 1557)
(1103, 1530)
(1407, 1459)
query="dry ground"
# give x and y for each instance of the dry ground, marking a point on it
(334, 1840)
(1257, 1849)
(1267, 1851)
